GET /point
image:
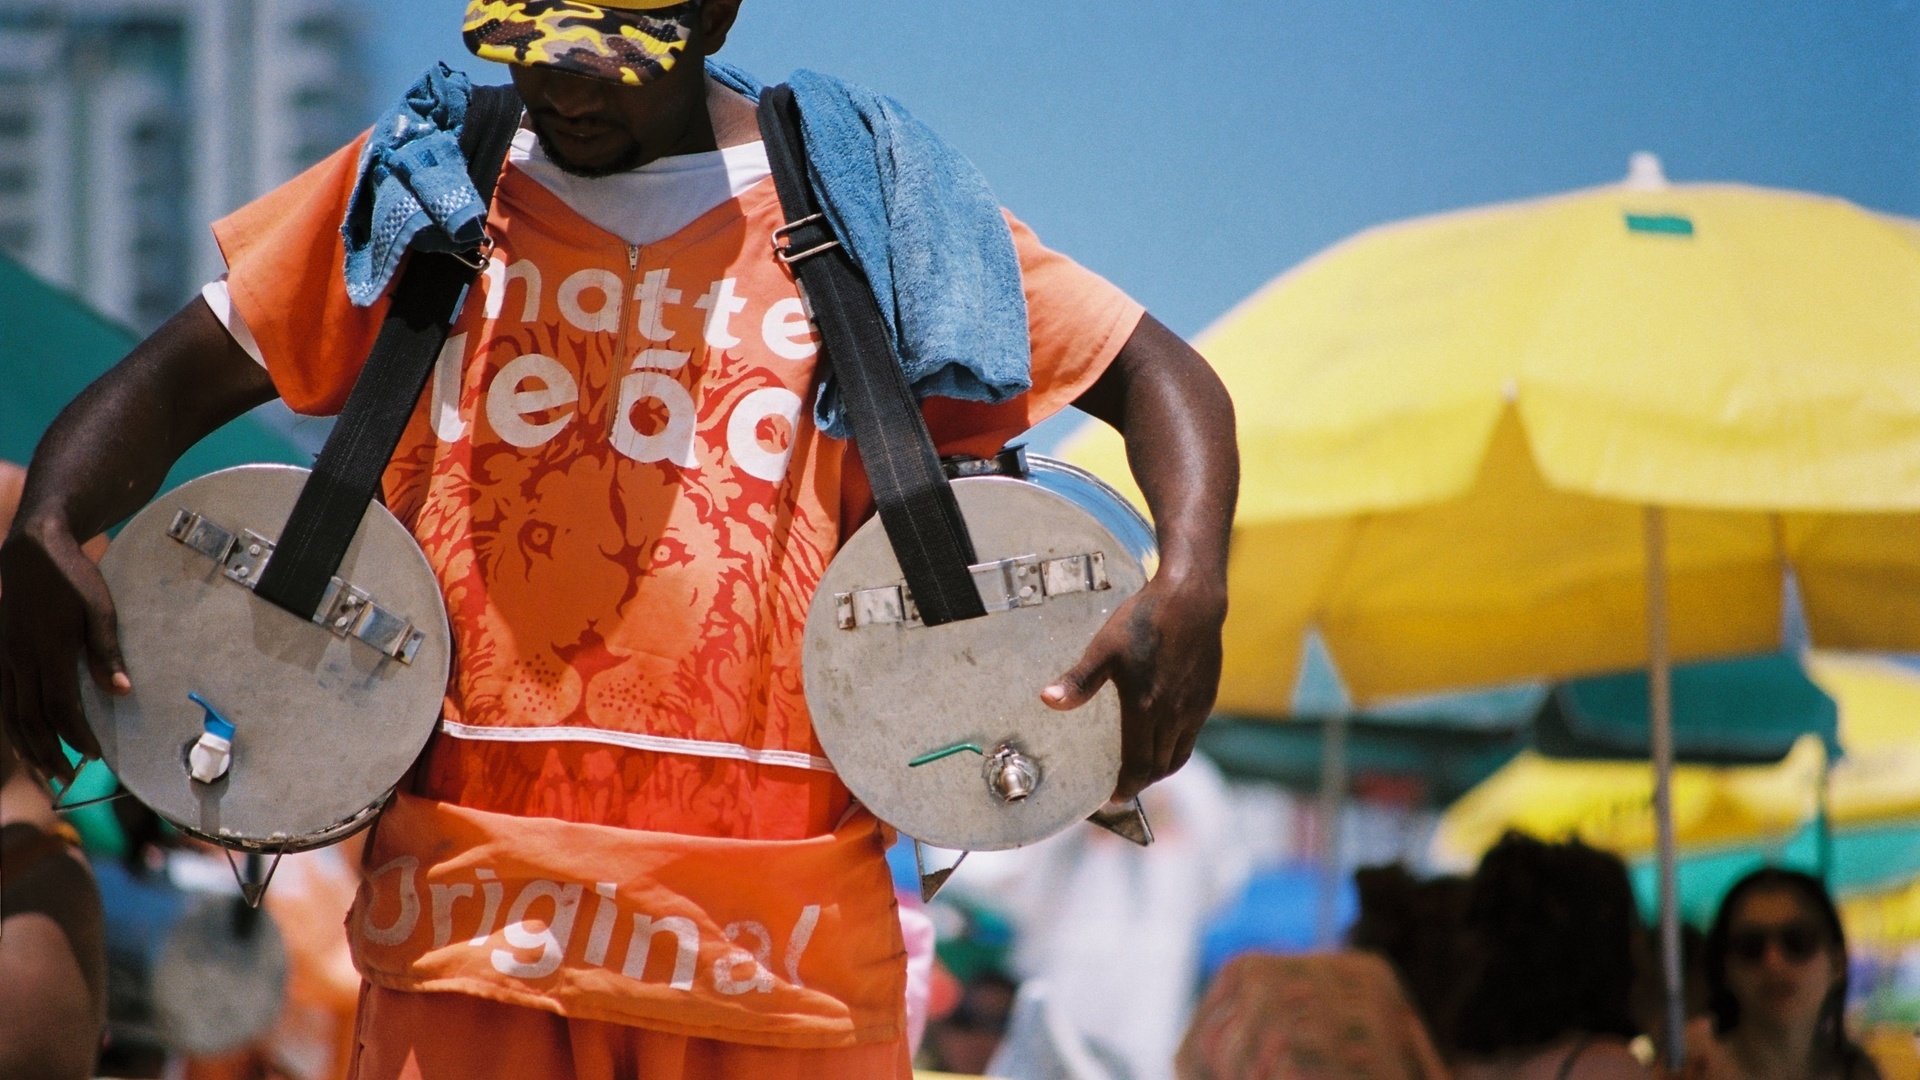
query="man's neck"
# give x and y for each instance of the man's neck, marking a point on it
(735, 121)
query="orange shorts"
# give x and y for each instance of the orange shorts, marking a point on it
(405, 1036)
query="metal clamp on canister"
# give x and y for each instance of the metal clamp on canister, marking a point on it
(1004, 585)
(345, 610)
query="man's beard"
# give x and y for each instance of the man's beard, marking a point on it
(626, 162)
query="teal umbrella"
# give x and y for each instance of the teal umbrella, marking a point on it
(1437, 760)
(1866, 859)
(1745, 711)
(1436, 745)
(55, 345)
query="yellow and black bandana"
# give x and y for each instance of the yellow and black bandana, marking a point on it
(629, 41)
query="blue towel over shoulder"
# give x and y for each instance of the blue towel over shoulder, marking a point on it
(914, 213)
(413, 188)
(923, 225)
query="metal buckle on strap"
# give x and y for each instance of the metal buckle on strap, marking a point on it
(480, 257)
(784, 251)
(344, 610)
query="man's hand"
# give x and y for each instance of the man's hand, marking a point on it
(102, 459)
(1161, 649)
(55, 603)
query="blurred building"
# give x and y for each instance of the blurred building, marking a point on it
(127, 125)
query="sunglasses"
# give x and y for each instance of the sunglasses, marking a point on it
(1797, 942)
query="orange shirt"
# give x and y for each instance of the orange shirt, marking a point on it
(616, 476)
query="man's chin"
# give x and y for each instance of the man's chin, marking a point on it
(622, 161)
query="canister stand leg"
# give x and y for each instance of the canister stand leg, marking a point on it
(68, 808)
(253, 891)
(930, 883)
(1125, 819)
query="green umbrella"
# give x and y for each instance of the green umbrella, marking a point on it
(1746, 711)
(1863, 859)
(1436, 759)
(55, 345)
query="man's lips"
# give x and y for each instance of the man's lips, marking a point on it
(578, 131)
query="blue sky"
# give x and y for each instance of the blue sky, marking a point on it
(1191, 152)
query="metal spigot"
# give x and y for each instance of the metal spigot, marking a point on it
(1010, 774)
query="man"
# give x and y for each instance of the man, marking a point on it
(624, 854)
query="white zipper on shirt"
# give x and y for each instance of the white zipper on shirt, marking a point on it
(628, 318)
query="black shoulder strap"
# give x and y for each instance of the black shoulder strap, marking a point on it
(426, 300)
(910, 489)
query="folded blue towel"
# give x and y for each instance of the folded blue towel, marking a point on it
(412, 175)
(923, 225)
(914, 213)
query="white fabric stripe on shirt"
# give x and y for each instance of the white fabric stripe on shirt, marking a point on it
(660, 744)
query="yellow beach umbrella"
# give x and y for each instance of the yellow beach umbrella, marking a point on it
(1878, 781)
(1886, 921)
(1450, 429)
(1570, 435)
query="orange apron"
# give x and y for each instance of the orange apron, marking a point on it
(771, 943)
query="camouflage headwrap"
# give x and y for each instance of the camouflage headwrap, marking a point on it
(629, 41)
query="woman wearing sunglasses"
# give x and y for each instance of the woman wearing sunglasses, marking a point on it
(1776, 963)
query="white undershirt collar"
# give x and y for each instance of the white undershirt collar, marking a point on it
(649, 204)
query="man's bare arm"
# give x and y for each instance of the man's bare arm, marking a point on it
(1162, 647)
(104, 457)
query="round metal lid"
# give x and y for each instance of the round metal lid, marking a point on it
(324, 725)
(886, 694)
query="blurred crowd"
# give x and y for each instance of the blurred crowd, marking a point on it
(1538, 968)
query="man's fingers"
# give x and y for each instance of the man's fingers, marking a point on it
(9, 730)
(1183, 750)
(1136, 750)
(1078, 685)
(60, 701)
(103, 644)
(109, 671)
(38, 744)
(1155, 743)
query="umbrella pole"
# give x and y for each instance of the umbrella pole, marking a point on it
(1823, 818)
(1660, 711)
(1333, 800)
